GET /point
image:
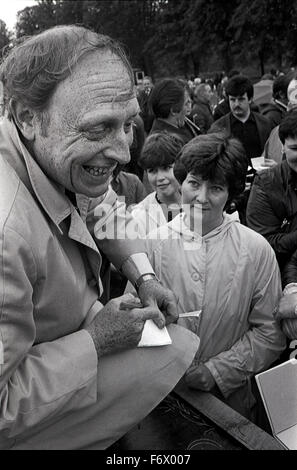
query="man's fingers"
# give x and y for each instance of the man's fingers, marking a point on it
(150, 313)
(171, 310)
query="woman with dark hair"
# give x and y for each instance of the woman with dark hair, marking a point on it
(170, 103)
(223, 273)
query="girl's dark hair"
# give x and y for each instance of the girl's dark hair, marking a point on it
(214, 157)
(160, 149)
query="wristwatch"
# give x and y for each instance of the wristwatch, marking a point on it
(143, 278)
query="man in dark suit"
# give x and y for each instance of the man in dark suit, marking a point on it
(251, 128)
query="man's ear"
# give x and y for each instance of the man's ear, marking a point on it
(24, 118)
(173, 111)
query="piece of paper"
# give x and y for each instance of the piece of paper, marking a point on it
(278, 387)
(153, 336)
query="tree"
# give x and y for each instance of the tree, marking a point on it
(264, 27)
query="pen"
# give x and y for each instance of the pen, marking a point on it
(195, 313)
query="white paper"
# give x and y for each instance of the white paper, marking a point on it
(153, 336)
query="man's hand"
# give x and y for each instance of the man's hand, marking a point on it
(117, 327)
(199, 377)
(153, 294)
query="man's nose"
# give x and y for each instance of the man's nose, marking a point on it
(119, 149)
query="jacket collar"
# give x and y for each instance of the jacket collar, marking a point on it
(49, 194)
(179, 225)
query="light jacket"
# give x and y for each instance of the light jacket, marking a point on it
(148, 215)
(49, 286)
(232, 275)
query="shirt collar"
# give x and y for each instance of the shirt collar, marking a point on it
(179, 225)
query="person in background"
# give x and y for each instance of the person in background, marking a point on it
(136, 147)
(143, 98)
(201, 113)
(272, 205)
(158, 156)
(222, 269)
(252, 129)
(223, 108)
(169, 102)
(277, 109)
(70, 373)
(273, 148)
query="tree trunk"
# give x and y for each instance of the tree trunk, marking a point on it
(261, 57)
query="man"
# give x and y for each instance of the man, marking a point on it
(143, 99)
(63, 384)
(277, 109)
(272, 205)
(201, 113)
(249, 127)
(170, 102)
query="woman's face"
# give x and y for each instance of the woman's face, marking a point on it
(163, 181)
(204, 202)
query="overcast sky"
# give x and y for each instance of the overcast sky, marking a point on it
(9, 9)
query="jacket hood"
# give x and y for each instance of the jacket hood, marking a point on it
(178, 225)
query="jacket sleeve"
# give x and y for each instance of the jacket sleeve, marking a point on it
(216, 127)
(290, 270)
(114, 229)
(262, 218)
(37, 381)
(263, 341)
(200, 121)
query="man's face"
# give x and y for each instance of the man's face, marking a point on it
(290, 149)
(239, 105)
(90, 125)
(147, 84)
(207, 93)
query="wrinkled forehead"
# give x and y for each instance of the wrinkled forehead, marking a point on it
(103, 76)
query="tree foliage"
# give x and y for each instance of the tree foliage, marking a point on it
(181, 37)
(5, 36)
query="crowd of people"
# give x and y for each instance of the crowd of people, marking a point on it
(120, 207)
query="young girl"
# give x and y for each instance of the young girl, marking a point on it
(157, 158)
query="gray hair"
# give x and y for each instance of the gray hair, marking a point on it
(32, 69)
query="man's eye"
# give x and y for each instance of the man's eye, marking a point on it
(128, 126)
(217, 188)
(96, 132)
